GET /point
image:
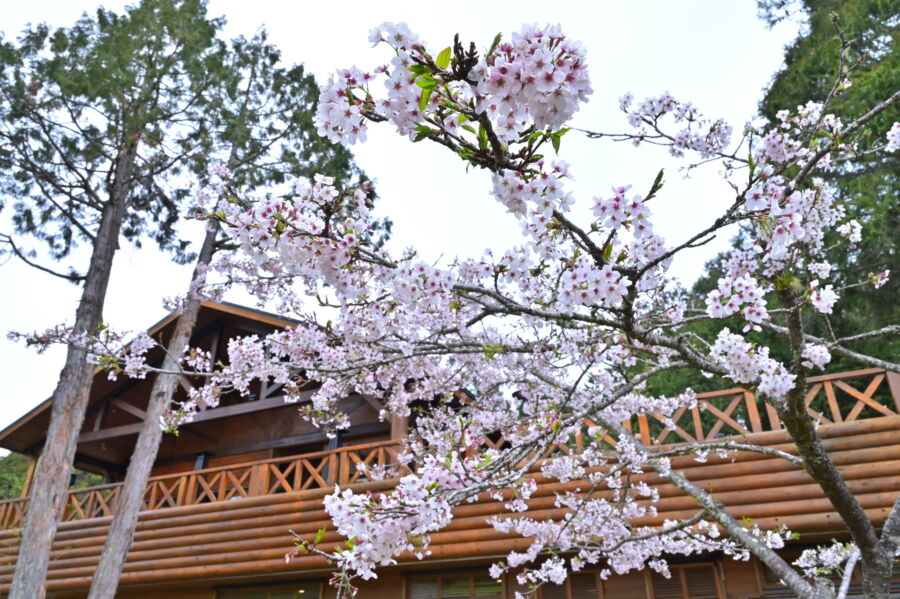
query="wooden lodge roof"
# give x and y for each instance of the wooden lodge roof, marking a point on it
(115, 408)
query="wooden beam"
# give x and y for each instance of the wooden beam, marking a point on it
(247, 407)
(377, 405)
(98, 421)
(127, 407)
(301, 439)
(185, 383)
(110, 433)
(99, 464)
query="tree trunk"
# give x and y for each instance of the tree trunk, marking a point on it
(874, 563)
(69, 400)
(121, 531)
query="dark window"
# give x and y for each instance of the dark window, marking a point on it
(693, 581)
(296, 591)
(582, 585)
(475, 586)
(690, 581)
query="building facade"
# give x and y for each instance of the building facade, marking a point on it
(228, 489)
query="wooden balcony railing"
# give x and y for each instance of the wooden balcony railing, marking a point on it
(832, 399)
(319, 470)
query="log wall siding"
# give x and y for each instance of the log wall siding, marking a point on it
(232, 521)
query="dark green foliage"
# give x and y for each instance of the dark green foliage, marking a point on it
(76, 100)
(82, 479)
(156, 81)
(811, 67)
(13, 468)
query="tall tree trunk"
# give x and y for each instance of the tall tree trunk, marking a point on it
(69, 400)
(121, 531)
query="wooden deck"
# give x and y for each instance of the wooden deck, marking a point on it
(233, 521)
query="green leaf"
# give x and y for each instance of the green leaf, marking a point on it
(482, 137)
(657, 184)
(555, 137)
(320, 534)
(494, 45)
(426, 95)
(427, 82)
(443, 59)
(420, 69)
(423, 131)
(490, 350)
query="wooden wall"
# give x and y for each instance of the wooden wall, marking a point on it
(741, 582)
(249, 536)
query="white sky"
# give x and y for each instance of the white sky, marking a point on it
(715, 53)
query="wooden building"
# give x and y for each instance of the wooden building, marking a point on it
(227, 489)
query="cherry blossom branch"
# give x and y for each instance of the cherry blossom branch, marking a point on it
(730, 446)
(848, 573)
(837, 346)
(714, 509)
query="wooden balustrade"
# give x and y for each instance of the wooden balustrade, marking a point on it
(12, 512)
(832, 399)
(91, 502)
(319, 470)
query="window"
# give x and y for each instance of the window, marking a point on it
(295, 591)
(578, 586)
(452, 586)
(690, 581)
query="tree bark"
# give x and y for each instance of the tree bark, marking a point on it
(69, 400)
(120, 535)
(875, 564)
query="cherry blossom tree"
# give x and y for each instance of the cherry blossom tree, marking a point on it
(529, 341)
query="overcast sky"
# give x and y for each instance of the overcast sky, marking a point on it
(715, 53)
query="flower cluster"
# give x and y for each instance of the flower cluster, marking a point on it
(893, 138)
(417, 507)
(707, 137)
(746, 364)
(542, 192)
(816, 355)
(823, 561)
(538, 79)
(739, 294)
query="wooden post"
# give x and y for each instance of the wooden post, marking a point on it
(332, 468)
(644, 428)
(893, 380)
(399, 427)
(344, 474)
(29, 476)
(185, 487)
(259, 479)
(753, 412)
